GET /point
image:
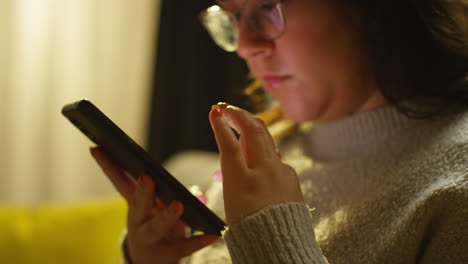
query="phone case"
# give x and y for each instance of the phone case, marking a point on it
(133, 158)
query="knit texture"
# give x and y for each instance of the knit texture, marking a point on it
(385, 189)
(285, 229)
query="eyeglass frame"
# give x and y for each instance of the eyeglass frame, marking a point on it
(250, 22)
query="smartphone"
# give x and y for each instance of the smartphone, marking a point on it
(135, 160)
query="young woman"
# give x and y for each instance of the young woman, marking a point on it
(385, 84)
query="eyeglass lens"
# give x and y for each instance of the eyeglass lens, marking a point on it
(265, 17)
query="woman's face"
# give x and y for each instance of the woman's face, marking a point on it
(317, 69)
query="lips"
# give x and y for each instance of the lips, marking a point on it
(272, 82)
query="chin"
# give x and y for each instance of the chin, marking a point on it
(299, 112)
(300, 105)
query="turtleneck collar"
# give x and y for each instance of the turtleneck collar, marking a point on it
(355, 135)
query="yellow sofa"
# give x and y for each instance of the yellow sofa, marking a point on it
(86, 232)
(81, 233)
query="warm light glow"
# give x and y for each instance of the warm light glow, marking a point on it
(54, 52)
(214, 8)
(323, 228)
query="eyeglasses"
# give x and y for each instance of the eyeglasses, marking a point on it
(265, 17)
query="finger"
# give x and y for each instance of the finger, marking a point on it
(141, 206)
(162, 223)
(255, 139)
(229, 148)
(182, 248)
(159, 204)
(124, 184)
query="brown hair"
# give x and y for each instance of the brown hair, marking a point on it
(418, 52)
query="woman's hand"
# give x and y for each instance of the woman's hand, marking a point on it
(253, 175)
(155, 232)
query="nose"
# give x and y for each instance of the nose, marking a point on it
(249, 43)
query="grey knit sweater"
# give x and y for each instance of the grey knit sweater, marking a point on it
(383, 189)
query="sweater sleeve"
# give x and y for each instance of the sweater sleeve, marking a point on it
(277, 234)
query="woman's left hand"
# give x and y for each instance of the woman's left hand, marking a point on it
(254, 176)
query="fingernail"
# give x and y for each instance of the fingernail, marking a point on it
(215, 111)
(215, 108)
(218, 176)
(146, 182)
(220, 106)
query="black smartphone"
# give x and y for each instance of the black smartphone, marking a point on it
(134, 159)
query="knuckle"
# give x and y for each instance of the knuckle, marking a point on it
(259, 121)
(253, 124)
(257, 127)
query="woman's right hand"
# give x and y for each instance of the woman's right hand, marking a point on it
(155, 233)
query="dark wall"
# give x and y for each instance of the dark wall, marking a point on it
(191, 74)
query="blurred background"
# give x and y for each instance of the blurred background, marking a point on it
(148, 64)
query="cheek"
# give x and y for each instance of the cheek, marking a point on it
(327, 79)
(322, 44)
